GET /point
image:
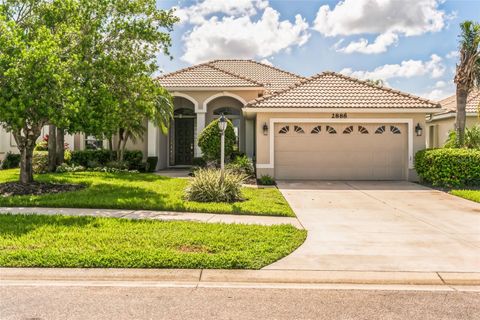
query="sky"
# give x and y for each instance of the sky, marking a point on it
(411, 45)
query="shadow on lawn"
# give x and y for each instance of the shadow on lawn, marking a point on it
(20, 224)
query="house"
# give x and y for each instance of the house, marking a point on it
(440, 124)
(328, 126)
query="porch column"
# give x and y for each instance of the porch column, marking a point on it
(200, 125)
(152, 132)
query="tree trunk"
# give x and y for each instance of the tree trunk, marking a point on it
(26, 168)
(52, 148)
(462, 94)
(124, 145)
(119, 143)
(60, 146)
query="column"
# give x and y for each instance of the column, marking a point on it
(152, 132)
(199, 128)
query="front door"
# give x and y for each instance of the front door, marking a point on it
(184, 141)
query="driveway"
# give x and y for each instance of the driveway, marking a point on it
(382, 226)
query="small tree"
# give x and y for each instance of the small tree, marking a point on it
(209, 141)
(467, 74)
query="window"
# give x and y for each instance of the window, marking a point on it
(316, 130)
(284, 130)
(395, 130)
(226, 111)
(330, 130)
(362, 130)
(348, 130)
(298, 129)
(380, 130)
(179, 113)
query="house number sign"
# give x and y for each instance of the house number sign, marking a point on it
(339, 115)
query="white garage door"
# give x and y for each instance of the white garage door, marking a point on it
(340, 151)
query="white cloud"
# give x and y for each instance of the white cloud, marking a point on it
(242, 37)
(452, 54)
(438, 94)
(434, 68)
(386, 18)
(381, 44)
(440, 84)
(197, 13)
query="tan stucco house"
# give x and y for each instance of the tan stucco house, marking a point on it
(440, 124)
(328, 126)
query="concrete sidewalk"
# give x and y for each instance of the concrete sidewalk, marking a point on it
(158, 215)
(182, 277)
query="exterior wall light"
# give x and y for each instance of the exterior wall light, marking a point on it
(418, 130)
(265, 129)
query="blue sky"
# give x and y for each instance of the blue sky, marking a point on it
(409, 44)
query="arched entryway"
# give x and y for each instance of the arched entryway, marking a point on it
(182, 133)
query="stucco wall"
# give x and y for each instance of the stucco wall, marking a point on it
(263, 141)
(443, 126)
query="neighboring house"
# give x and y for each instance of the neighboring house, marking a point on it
(440, 124)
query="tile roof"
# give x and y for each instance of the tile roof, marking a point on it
(273, 79)
(205, 75)
(473, 102)
(334, 90)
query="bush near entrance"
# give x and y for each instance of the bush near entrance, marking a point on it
(209, 141)
(449, 167)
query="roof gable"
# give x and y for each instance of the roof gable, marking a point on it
(334, 90)
(205, 75)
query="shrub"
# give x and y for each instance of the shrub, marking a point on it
(209, 141)
(449, 167)
(199, 162)
(241, 164)
(40, 162)
(12, 160)
(69, 168)
(472, 138)
(266, 180)
(92, 158)
(122, 165)
(207, 187)
(151, 164)
(134, 160)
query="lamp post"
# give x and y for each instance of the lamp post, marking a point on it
(222, 125)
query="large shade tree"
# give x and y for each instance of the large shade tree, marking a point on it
(467, 73)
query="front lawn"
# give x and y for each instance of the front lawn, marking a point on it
(141, 191)
(473, 195)
(87, 242)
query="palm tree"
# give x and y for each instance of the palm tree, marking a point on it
(468, 72)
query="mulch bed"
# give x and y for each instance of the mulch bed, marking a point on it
(15, 188)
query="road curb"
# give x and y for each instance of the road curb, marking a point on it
(241, 276)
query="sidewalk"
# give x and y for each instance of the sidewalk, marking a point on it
(229, 278)
(158, 215)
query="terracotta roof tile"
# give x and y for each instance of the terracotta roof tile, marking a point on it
(334, 90)
(205, 75)
(473, 102)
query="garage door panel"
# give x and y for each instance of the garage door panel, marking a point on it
(341, 156)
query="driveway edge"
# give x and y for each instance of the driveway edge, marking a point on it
(199, 276)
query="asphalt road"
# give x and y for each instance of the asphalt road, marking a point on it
(58, 302)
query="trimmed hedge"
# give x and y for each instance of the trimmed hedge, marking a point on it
(12, 160)
(449, 167)
(102, 158)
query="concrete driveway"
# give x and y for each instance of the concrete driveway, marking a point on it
(382, 226)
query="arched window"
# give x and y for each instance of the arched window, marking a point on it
(298, 129)
(226, 111)
(331, 130)
(348, 130)
(316, 130)
(380, 130)
(362, 130)
(395, 130)
(284, 130)
(183, 112)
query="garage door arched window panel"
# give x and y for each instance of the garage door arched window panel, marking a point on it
(284, 130)
(380, 130)
(395, 130)
(348, 130)
(298, 129)
(316, 130)
(331, 130)
(362, 130)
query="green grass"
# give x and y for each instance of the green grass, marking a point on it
(473, 195)
(141, 192)
(87, 242)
